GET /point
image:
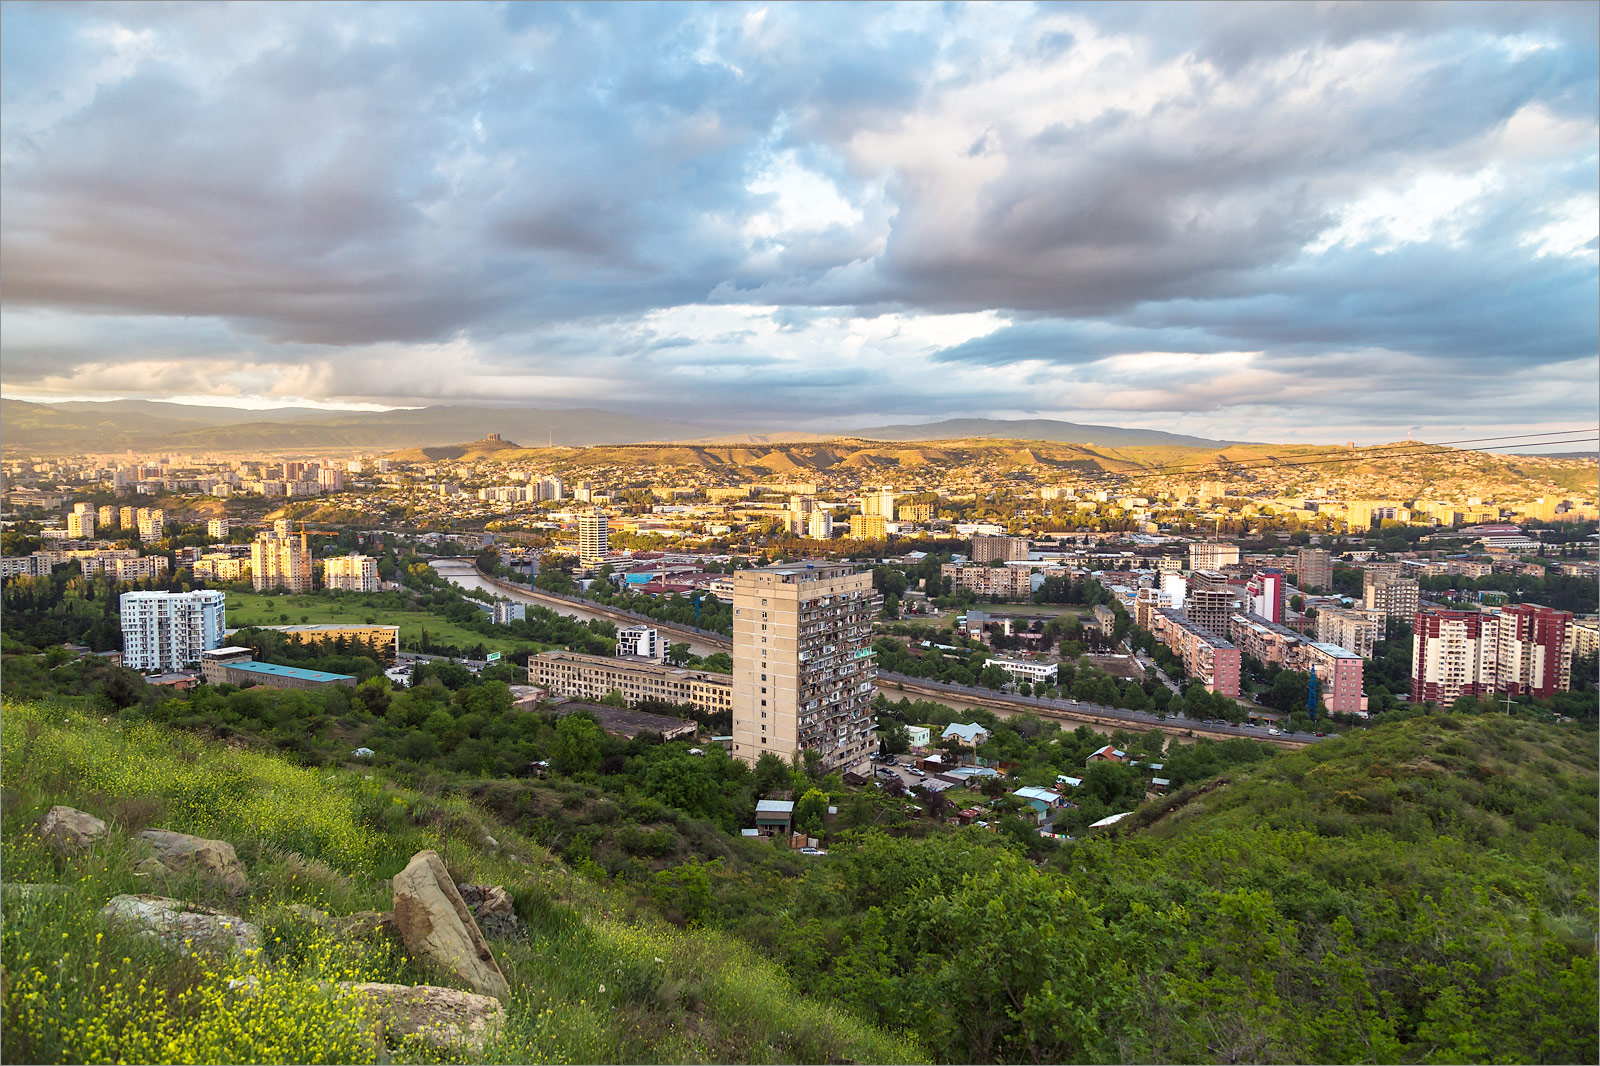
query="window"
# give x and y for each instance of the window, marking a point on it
(763, 688)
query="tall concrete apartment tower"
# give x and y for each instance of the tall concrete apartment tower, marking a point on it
(802, 663)
(594, 537)
(1209, 602)
(279, 560)
(1315, 569)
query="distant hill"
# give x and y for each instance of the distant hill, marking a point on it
(1046, 429)
(472, 450)
(146, 425)
(804, 459)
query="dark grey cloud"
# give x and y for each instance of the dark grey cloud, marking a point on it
(528, 192)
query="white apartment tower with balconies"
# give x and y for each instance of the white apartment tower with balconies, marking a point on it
(802, 663)
(168, 630)
(594, 537)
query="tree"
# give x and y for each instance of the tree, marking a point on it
(894, 738)
(616, 699)
(772, 774)
(810, 810)
(577, 745)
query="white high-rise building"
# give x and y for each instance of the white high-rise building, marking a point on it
(80, 525)
(642, 641)
(351, 573)
(168, 630)
(819, 525)
(802, 663)
(594, 537)
(217, 528)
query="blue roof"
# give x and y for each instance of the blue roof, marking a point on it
(274, 670)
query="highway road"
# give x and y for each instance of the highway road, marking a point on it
(463, 574)
(894, 686)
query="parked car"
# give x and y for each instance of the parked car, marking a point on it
(884, 771)
(915, 770)
(812, 851)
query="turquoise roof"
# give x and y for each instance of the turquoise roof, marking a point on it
(274, 670)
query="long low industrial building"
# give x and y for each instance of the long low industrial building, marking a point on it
(592, 677)
(243, 672)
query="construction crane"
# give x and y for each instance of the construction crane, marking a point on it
(312, 533)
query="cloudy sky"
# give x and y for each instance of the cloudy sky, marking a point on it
(1300, 222)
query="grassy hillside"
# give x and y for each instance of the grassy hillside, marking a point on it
(594, 980)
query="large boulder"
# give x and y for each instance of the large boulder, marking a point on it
(213, 858)
(491, 907)
(444, 1019)
(436, 925)
(180, 925)
(68, 829)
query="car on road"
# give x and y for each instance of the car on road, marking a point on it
(1274, 732)
(1316, 734)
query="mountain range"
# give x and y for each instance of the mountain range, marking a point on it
(147, 425)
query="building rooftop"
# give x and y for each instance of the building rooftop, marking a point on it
(274, 670)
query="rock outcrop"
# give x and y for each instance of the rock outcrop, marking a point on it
(67, 829)
(444, 1019)
(213, 858)
(436, 925)
(180, 925)
(491, 907)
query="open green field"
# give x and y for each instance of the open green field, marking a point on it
(250, 609)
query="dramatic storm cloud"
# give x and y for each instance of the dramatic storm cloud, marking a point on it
(1276, 222)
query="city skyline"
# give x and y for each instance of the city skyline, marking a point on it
(1266, 223)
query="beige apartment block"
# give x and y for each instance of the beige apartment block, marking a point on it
(280, 560)
(1393, 597)
(868, 527)
(593, 677)
(999, 549)
(1212, 555)
(1355, 631)
(351, 573)
(802, 663)
(1314, 569)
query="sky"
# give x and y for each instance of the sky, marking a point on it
(1301, 222)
